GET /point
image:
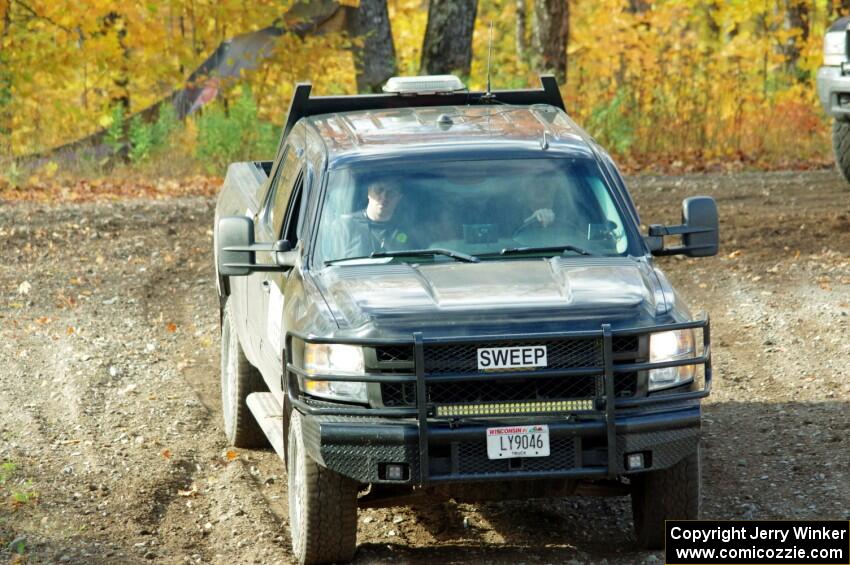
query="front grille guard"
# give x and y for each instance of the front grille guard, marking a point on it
(424, 410)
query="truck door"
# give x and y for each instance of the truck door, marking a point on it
(276, 296)
(251, 284)
(268, 296)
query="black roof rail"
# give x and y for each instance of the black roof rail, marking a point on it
(303, 105)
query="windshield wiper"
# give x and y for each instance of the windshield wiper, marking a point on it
(457, 255)
(352, 259)
(552, 249)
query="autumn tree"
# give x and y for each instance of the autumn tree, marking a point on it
(5, 79)
(551, 34)
(716, 74)
(373, 50)
(447, 47)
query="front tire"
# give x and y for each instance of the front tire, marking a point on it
(841, 147)
(238, 379)
(322, 506)
(668, 494)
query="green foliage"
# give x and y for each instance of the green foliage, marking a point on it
(151, 139)
(140, 136)
(7, 469)
(237, 135)
(19, 546)
(165, 126)
(14, 176)
(115, 130)
(24, 496)
(5, 103)
(611, 125)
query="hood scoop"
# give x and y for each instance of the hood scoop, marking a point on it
(588, 287)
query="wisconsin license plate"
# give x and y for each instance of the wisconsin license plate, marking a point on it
(518, 441)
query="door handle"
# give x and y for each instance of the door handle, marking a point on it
(267, 286)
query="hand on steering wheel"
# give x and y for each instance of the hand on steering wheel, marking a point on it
(541, 218)
(544, 216)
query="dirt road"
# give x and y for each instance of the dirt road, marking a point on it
(110, 426)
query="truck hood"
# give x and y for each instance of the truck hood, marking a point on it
(509, 291)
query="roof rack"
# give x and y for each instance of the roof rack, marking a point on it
(303, 105)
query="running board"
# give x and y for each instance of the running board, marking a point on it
(269, 416)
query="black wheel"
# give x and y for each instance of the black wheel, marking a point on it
(238, 379)
(668, 494)
(841, 147)
(322, 506)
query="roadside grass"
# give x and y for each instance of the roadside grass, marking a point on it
(15, 492)
(89, 179)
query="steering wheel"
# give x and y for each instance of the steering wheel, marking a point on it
(527, 226)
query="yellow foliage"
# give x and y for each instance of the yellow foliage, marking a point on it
(685, 79)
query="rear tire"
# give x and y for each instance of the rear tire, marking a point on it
(668, 494)
(322, 506)
(238, 379)
(841, 147)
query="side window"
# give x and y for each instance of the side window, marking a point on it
(603, 198)
(282, 189)
(292, 218)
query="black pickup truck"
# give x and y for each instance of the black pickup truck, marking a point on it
(433, 292)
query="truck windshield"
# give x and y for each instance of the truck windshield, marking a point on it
(486, 209)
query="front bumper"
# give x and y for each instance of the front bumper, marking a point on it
(831, 85)
(590, 441)
(458, 453)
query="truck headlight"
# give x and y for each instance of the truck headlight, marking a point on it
(334, 359)
(670, 346)
(834, 48)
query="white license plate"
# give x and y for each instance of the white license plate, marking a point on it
(518, 441)
(527, 356)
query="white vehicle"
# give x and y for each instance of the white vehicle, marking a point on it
(834, 90)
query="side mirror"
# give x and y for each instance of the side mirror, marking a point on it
(700, 212)
(235, 239)
(699, 230)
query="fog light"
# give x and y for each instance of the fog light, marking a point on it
(396, 472)
(634, 461)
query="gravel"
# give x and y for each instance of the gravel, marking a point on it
(109, 383)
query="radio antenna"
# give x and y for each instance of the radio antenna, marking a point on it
(489, 95)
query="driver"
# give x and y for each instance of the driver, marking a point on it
(375, 228)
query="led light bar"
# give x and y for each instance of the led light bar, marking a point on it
(506, 408)
(434, 84)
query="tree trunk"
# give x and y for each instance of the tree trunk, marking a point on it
(639, 6)
(521, 45)
(551, 34)
(374, 56)
(796, 17)
(114, 22)
(447, 47)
